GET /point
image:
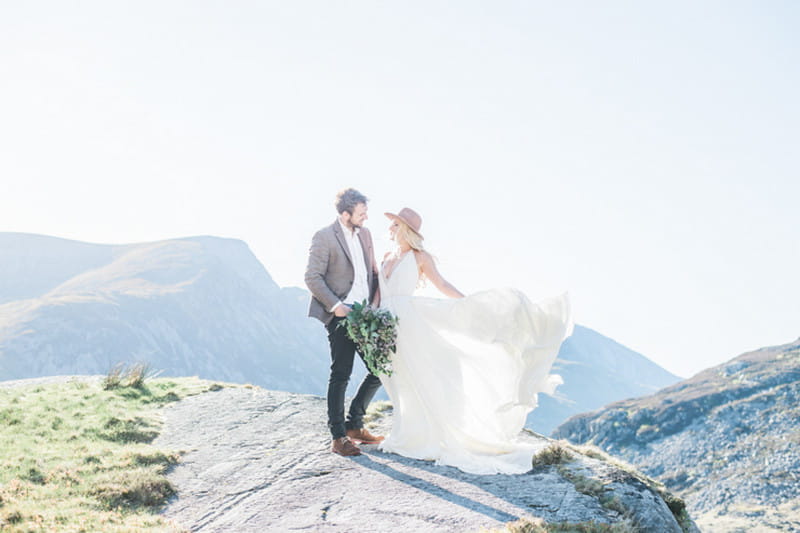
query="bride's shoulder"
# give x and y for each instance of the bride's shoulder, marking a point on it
(423, 257)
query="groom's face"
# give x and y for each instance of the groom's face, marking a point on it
(358, 217)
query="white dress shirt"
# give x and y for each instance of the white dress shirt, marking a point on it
(360, 289)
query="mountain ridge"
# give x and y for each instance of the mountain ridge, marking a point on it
(202, 305)
(206, 306)
(595, 369)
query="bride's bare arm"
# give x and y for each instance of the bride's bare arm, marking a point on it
(428, 267)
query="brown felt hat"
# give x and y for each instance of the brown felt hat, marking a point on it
(409, 217)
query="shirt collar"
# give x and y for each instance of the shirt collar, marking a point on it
(347, 231)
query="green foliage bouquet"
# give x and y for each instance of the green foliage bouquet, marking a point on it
(375, 333)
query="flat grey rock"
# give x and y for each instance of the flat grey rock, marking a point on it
(259, 460)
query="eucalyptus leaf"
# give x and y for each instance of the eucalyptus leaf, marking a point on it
(374, 332)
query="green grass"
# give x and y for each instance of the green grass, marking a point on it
(77, 456)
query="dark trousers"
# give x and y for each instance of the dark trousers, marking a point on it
(343, 352)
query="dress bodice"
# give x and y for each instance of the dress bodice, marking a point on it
(403, 278)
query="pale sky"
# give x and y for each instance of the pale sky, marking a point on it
(641, 155)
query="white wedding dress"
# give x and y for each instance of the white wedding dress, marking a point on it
(467, 372)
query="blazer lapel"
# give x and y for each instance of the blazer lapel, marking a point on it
(337, 230)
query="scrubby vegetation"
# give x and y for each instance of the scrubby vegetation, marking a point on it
(77, 456)
(375, 412)
(536, 525)
(555, 454)
(127, 376)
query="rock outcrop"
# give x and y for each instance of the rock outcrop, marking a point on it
(726, 440)
(258, 460)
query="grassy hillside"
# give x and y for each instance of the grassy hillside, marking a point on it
(76, 456)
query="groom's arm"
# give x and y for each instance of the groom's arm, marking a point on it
(316, 269)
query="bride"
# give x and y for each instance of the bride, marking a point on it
(467, 369)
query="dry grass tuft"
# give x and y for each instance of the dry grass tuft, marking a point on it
(132, 376)
(375, 412)
(537, 525)
(555, 454)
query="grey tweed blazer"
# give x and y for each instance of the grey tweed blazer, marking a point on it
(330, 274)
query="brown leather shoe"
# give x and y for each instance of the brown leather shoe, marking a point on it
(363, 436)
(344, 446)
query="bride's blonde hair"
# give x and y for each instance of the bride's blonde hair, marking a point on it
(414, 240)
(405, 233)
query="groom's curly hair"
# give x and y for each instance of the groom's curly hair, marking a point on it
(348, 199)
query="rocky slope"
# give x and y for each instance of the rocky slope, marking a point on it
(206, 306)
(258, 460)
(726, 440)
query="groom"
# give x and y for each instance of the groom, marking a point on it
(342, 271)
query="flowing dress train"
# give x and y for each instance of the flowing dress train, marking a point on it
(467, 372)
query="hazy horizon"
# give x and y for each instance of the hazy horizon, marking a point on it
(640, 156)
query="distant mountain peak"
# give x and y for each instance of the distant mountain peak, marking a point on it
(597, 370)
(193, 306)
